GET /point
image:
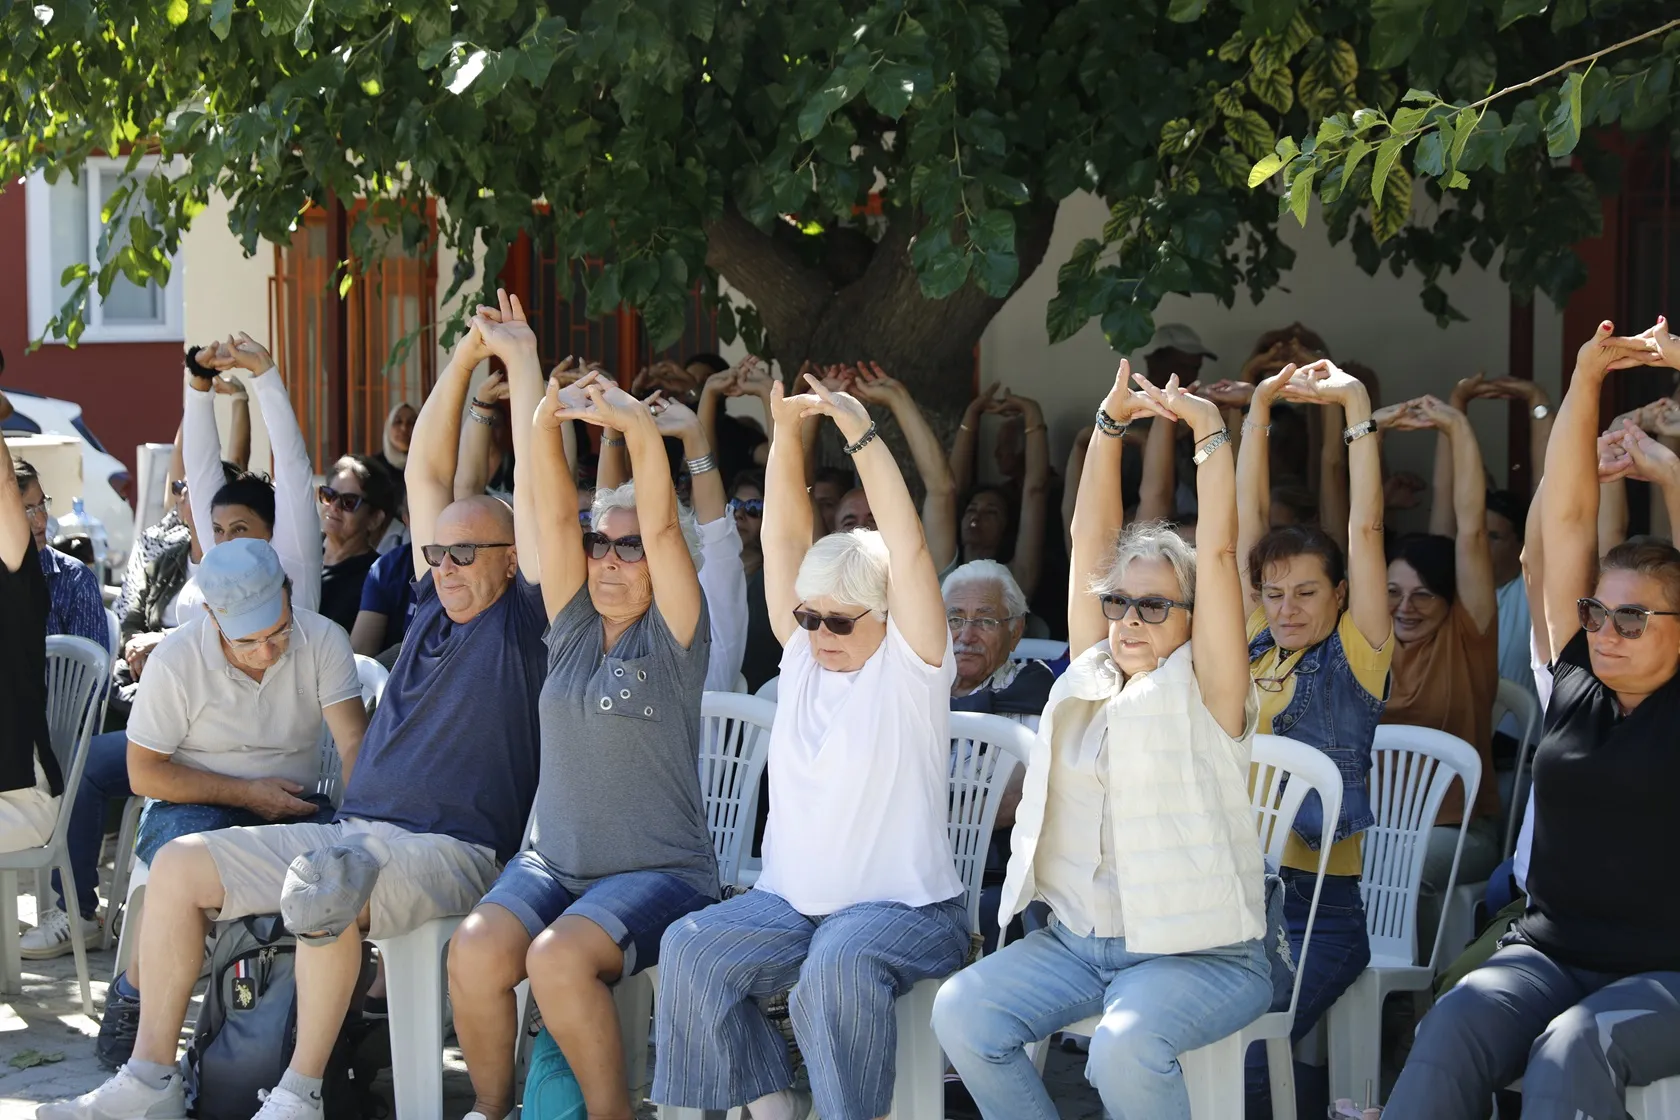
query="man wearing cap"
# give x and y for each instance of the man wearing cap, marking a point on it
(440, 792)
(1176, 348)
(226, 725)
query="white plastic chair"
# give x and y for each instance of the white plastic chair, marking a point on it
(77, 670)
(1659, 1100)
(113, 628)
(741, 684)
(1412, 768)
(1284, 771)
(1038, 649)
(734, 744)
(373, 676)
(1513, 699)
(767, 690)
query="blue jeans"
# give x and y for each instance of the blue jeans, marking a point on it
(715, 1047)
(104, 776)
(164, 821)
(1153, 1009)
(1339, 952)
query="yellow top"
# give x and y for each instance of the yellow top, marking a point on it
(1370, 669)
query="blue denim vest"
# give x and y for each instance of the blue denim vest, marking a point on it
(1332, 711)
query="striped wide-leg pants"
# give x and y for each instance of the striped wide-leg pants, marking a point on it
(714, 1047)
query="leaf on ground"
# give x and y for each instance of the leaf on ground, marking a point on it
(29, 1059)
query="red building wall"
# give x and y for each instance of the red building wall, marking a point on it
(130, 392)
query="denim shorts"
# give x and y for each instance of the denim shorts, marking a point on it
(634, 908)
(164, 821)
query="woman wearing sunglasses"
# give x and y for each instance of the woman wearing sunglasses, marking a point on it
(620, 844)
(357, 501)
(1319, 653)
(1134, 824)
(859, 896)
(1581, 1000)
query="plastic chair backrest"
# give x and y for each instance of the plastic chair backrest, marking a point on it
(1513, 699)
(76, 673)
(1411, 771)
(741, 684)
(1038, 649)
(767, 690)
(734, 744)
(373, 676)
(985, 750)
(113, 627)
(1283, 772)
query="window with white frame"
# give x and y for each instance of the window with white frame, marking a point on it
(65, 225)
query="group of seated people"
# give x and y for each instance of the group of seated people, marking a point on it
(532, 764)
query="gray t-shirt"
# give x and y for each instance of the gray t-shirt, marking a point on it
(619, 788)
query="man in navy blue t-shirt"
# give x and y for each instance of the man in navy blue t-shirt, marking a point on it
(436, 800)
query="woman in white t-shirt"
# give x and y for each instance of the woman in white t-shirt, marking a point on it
(859, 897)
(1134, 823)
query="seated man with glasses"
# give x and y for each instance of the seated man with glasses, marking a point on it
(987, 614)
(75, 606)
(439, 793)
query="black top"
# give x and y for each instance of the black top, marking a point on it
(23, 677)
(341, 588)
(763, 657)
(1602, 892)
(1027, 694)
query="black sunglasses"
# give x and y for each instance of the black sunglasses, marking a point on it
(838, 624)
(1152, 609)
(348, 503)
(1630, 622)
(752, 507)
(629, 549)
(462, 554)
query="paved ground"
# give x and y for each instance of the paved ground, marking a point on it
(47, 1023)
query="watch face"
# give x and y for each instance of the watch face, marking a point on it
(1540, 412)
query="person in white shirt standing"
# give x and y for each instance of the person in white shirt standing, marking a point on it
(859, 897)
(1134, 823)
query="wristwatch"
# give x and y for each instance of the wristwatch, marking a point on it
(1540, 412)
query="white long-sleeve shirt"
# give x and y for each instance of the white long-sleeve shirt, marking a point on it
(724, 581)
(297, 527)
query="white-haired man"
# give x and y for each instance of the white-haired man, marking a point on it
(987, 614)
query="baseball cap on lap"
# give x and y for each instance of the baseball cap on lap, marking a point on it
(243, 584)
(325, 891)
(1178, 336)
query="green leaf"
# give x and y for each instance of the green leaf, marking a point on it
(1300, 194)
(1128, 327)
(1387, 152)
(177, 12)
(1344, 60)
(1331, 129)
(1463, 129)
(1563, 130)
(1064, 315)
(1175, 137)
(29, 1059)
(997, 272)
(1513, 10)
(890, 89)
(431, 56)
(815, 115)
(344, 284)
(1233, 48)
(993, 231)
(1251, 133)
(499, 69)
(1365, 119)
(1430, 158)
(945, 273)
(1567, 14)
(1393, 38)
(1394, 207)
(1186, 11)
(1275, 88)
(1264, 170)
(221, 18)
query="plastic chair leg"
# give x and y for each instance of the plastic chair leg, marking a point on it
(1355, 1028)
(1659, 1100)
(1280, 1064)
(919, 1088)
(122, 862)
(78, 944)
(133, 911)
(1214, 1077)
(414, 982)
(633, 1000)
(11, 952)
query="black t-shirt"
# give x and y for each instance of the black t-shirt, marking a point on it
(763, 658)
(23, 677)
(1603, 892)
(341, 588)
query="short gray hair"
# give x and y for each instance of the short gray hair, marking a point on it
(852, 567)
(986, 572)
(609, 498)
(1149, 540)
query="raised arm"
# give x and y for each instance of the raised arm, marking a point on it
(525, 389)
(1099, 511)
(1028, 560)
(1472, 560)
(1075, 471)
(239, 421)
(1254, 478)
(1367, 565)
(1569, 529)
(1158, 487)
(564, 567)
(1533, 575)
(1219, 650)
(14, 524)
(939, 502)
(788, 515)
(201, 446)
(1632, 453)
(964, 443)
(472, 464)
(432, 449)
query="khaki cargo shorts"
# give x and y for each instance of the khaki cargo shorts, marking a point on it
(421, 875)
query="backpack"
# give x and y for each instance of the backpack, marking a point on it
(248, 1026)
(551, 1089)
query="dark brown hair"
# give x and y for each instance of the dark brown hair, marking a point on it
(1297, 332)
(1289, 541)
(1648, 556)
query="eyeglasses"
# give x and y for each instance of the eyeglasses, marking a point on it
(752, 507)
(985, 625)
(628, 549)
(838, 624)
(462, 554)
(1422, 598)
(178, 487)
(251, 645)
(40, 508)
(347, 503)
(1152, 609)
(1274, 684)
(1630, 622)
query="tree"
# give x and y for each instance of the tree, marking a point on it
(875, 176)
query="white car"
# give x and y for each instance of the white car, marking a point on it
(106, 482)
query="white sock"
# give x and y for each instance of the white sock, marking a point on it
(153, 1075)
(782, 1105)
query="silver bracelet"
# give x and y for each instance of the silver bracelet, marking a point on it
(701, 465)
(1251, 426)
(1214, 443)
(863, 441)
(479, 418)
(1359, 430)
(611, 441)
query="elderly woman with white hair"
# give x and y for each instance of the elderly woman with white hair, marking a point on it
(859, 896)
(1134, 825)
(620, 846)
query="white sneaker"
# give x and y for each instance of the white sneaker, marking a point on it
(52, 937)
(122, 1098)
(283, 1104)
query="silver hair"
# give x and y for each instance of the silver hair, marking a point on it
(609, 498)
(1149, 540)
(851, 567)
(983, 573)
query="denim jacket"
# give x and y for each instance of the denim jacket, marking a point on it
(1332, 711)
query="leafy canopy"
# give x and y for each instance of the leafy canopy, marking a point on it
(627, 130)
